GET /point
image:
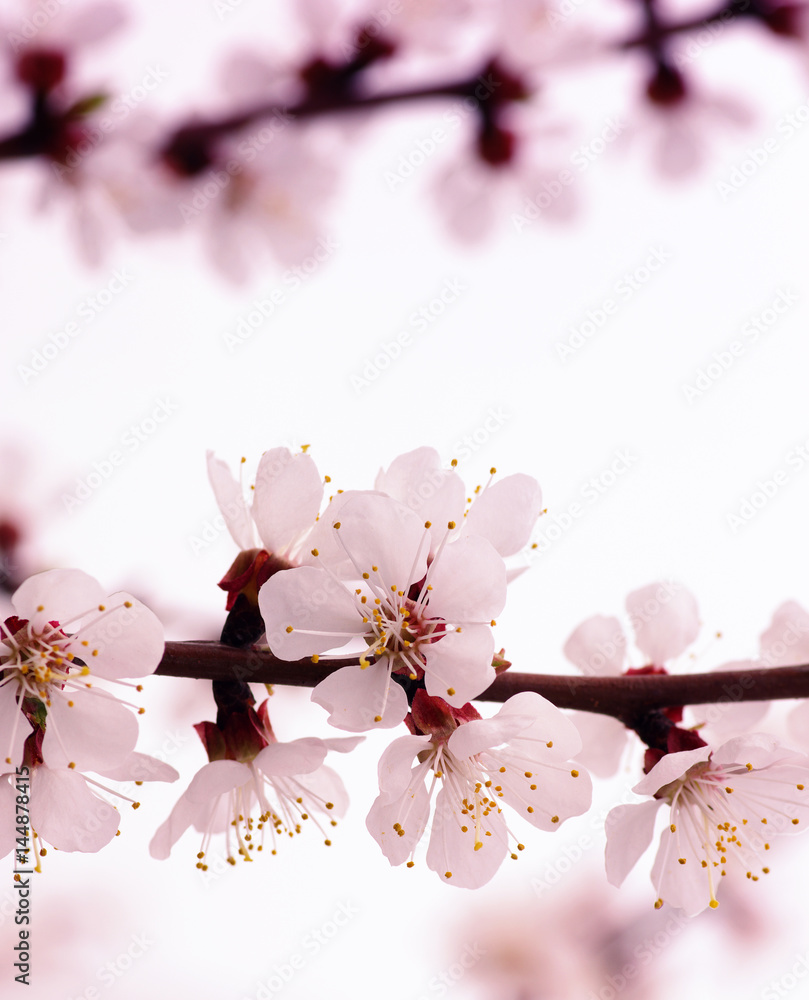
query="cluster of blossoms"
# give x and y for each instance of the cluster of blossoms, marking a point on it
(57, 722)
(262, 173)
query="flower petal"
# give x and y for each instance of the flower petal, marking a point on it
(597, 647)
(410, 811)
(506, 512)
(730, 717)
(12, 724)
(468, 579)
(669, 768)
(95, 732)
(63, 594)
(128, 636)
(230, 500)
(458, 667)
(665, 619)
(453, 835)
(296, 757)
(358, 699)
(309, 600)
(418, 480)
(140, 767)
(629, 830)
(378, 531)
(786, 641)
(604, 740)
(8, 817)
(394, 769)
(287, 498)
(66, 814)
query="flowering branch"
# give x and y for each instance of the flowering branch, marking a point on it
(625, 698)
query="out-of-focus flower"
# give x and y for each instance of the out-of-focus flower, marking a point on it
(249, 772)
(416, 619)
(726, 805)
(520, 758)
(665, 621)
(786, 643)
(65, 635)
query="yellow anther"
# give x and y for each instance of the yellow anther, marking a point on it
(289, 629)
(681, 860)
(450, 691)
(101, 607)
(554, 819)
(336, 524)
(574, 774)
(658, 903)
(315, 552)
(492, 471)
(315, 658)
(451, 525)
(127, 604)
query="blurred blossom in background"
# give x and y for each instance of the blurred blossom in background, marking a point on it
(555, 238)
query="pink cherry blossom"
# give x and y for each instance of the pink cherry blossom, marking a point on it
(66, 634)
(285, 783)
(786, 643)
(519, 758)
(413, 617)
(725, 806)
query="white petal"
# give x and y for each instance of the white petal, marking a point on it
(216, 778)
(295, 757)
(759, 749)
(670, 767)
(453, 850)
(686, 886)
(232, 505)
(597, 647)
(63, 594)
(468, 579)
(417, 480)
(184, 814)
(604, 740)
(356, 698)
(66, 814)
(321, 786)
(629, 830)
(95, 733)
(786, 641)
(140, 767)
(461, 663)
(544, 795)
(12, 721)
(665, 619)
(506, 512)
(129, 640)
(307, 598)
(410, 810)
(394, 769)
(378, 531)
(287, 497)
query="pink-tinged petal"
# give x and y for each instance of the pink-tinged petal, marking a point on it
(14, 727)
(417, 480)
(217, 778)
(729, 716)
(378, 531)
(597, 647)
(8, 817)
(798, 724)
(184, 814)
(321, 786)
(128, 636)
(458, 667)
(394, 769)
(468, 579)
(544, 795)
(230, 500)
(506, 512)
(63, 594)
(343, 744)
(759, 749)
(358, 699)
(96, 732)
(604, 741)
(287, 497)
(786, 641)
(295, 757)
(452, 848)
(665, 619)
(92, 24)
(629, 830)
(65, 813)
(548, 724)
(410, 811)
(669, 768)
(140, 767)
(686, 886)
(309, 600)
(326, 541)
(484, 734)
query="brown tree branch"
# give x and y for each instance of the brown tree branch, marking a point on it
(624, 698)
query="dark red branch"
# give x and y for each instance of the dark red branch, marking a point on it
(625, 698)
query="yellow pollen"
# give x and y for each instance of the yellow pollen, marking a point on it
(451, 525)
(410, 864)
(728, 790)
(315, 552)
(714, 902)
(72, 765)
(799, 787)
(681, 860)
(101, 607)
(289, 629)
(336, 524)
(673, 828)
(450, 691)
(447, 874)
(70, 704)
(749, 767)
(127, 604)
(574, 774)
(377, 718)
(530, 809)
(549, 744)
(428, 524)
(315, 657)
(795, 822)
(40, 607)
(658, 903)
(554, 819)
(492, 471)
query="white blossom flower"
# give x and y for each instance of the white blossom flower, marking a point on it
(285, 784)
(520, 758)
(415, 617)
(66, 633)
(726, 806)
